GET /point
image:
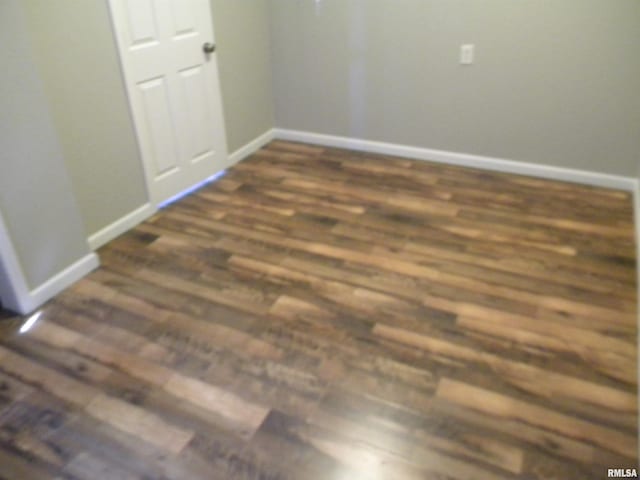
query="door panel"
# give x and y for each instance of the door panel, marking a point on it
(194, 88)
(183, 19)
(173, 90)
(157, 127)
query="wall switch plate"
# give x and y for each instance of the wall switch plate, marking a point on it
(467, 53)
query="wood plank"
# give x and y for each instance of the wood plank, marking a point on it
(534, 380)
(136, 421)
(320, 313)
(500, 406)
(218, 401)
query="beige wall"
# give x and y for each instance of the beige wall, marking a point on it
(78, 62)
(555, 82)
(36, 202)
(77, 58)
(242, 36)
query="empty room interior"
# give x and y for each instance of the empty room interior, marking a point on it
(319, 239)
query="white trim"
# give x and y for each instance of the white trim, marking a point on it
(636, 212)
(251, 147)
(462, 159)
(120, 226)
(16, 294)
(139, 215)
(13, 287)
(60, 281)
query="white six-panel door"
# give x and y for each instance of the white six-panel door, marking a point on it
(173, 90)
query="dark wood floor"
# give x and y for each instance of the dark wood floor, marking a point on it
(321, 314)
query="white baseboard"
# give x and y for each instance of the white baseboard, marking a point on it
(16, 294)
(251, 147)
(120, 226)
(13, 286)
(462, 159)
(132, 219)
(25, 301)
(636, 212)
(59, 282)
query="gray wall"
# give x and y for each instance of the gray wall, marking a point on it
(36, 201)
(77, 58)
(555, 82)
(244, 59)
